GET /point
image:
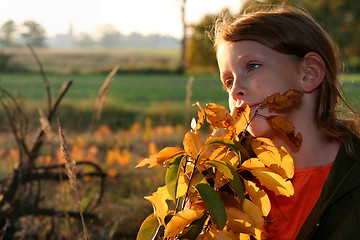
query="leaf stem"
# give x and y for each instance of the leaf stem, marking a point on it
(247, 125)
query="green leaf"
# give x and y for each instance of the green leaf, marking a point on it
(231, 174)
(148, 228)
(195, 228)
(172, 175)
(213, 203)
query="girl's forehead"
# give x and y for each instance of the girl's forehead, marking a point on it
(244, 47)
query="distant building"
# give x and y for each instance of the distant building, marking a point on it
(63, 40)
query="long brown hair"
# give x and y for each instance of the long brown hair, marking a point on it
(293, 31)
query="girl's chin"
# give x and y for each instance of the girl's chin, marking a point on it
(260, 127)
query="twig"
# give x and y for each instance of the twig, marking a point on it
(100, 100)
(39, 139)
(41, 68)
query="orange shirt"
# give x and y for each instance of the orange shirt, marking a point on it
(289, 213)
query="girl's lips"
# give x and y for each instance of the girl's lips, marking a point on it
(251, 105)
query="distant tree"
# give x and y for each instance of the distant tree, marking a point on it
(110, 36)
(85, 40)
(34, 34)
(341, 19)
(200, 54)
(7, 32)
(135, 39)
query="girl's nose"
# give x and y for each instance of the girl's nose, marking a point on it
(237, 91)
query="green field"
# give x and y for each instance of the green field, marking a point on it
(133, 90)
(133, 97)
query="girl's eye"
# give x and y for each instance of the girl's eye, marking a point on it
(253, 66)
(228, 83)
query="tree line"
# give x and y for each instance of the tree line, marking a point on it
(341, 19)
(33, 33)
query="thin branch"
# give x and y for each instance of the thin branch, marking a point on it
(39, 139)
(41, 68)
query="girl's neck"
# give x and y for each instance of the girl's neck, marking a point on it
(315, 149)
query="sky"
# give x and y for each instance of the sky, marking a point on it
(87, 16)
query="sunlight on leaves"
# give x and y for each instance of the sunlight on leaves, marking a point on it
(158, 199)
(277, 159)
(274, 182)
(241, 117)
(258, 196)
(218, 116)
(179, 221)
(193, 143)
(219, 183)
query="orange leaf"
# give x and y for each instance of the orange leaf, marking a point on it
(151, 161)
(239, 221)
(179, 221)
(277, 159)
(164, 155)
(280, 102)
(218, 116)
(278, 123)
(273, 182)
(214, 234)
(168, 153)
(193, 143)
(241, 117)
(158, 200)
(252, 163)
(201, 115)
(258, 196)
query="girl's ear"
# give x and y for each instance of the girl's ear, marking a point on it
(314, 71)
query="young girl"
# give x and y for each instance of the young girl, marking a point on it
(266, 52)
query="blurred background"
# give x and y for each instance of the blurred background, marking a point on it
(120, 77)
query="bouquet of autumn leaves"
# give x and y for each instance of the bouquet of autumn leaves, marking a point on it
(216, 187)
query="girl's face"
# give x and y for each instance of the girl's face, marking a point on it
(250, 72)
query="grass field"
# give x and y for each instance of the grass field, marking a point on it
(132, 97)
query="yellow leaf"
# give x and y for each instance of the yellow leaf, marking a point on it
(258, 196)
(220, 180)
(193, 143)
(239, 221)
(182, 185)
(244, 236)
(218, 116)
(277, 159)
(158, 200)
(179, 221)
(252, 163)
(254, 212)
(214, 234)
(273, 182)
(168, 153)
(164, 155)
(151, 161)
(241, 117)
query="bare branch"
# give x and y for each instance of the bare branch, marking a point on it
(39, 139)
(41, 68)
